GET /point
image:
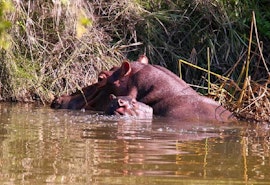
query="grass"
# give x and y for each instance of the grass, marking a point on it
(56, 47)
(248, 99)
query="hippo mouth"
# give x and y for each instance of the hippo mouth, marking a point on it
(123, 111)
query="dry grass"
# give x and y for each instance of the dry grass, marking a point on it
(56, 48)
(248, 99)
(59, 46)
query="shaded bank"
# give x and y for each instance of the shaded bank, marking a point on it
(60, 46)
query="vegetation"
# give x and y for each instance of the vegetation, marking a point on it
(55, 47)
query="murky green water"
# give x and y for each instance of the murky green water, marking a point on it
(39, 145)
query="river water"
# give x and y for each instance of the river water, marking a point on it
(39, 145)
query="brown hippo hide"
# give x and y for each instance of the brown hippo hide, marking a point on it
(91, 97)
(166, 93)
(94, 97)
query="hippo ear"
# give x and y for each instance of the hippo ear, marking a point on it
(143, 59)
(125, 68)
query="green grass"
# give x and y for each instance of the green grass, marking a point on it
(50, 49)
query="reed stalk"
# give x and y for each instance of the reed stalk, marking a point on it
(57, 47)
(208, 70)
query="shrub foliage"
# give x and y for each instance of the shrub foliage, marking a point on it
(55, 47)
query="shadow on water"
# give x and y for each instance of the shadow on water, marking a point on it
(44, 146)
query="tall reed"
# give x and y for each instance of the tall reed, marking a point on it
(56, 47)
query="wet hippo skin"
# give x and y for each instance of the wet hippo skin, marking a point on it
(94, 97)
(90, 97)
(151, 85)
(167, 94)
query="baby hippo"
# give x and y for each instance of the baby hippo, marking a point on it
(127, 106)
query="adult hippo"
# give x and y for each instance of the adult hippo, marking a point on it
(91, 97)
(167, 94)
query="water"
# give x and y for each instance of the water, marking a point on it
(39, 145)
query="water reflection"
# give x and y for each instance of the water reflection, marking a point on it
(43, 146)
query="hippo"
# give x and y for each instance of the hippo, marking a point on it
(166, 93)
(91, 97)
(149, 85)
(127, 106)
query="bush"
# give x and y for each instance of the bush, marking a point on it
(59, 46)
(56, 47)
